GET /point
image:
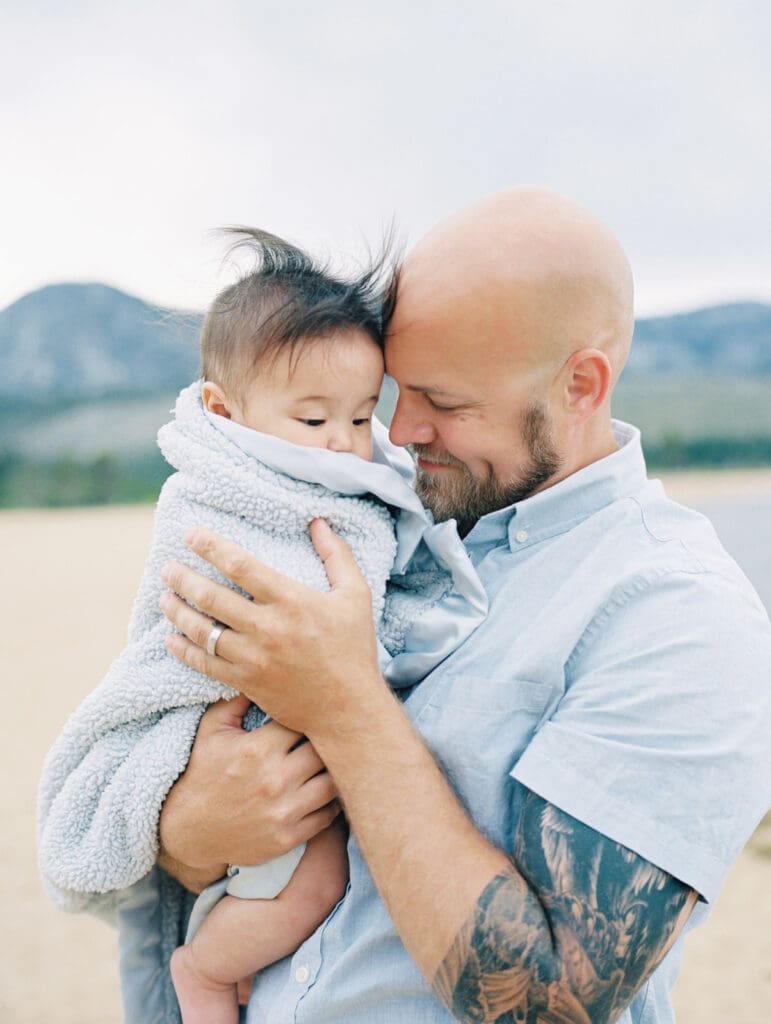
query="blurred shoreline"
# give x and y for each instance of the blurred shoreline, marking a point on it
(681, 485)
(707, 484)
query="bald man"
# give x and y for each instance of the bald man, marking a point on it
(537, 823)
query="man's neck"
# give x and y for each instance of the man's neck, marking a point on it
(596, 441)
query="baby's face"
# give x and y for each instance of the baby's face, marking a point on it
(323, 399)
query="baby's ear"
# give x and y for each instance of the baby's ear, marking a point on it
(215, 400)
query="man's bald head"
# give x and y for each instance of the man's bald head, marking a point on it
(512, 323)
(530, 273)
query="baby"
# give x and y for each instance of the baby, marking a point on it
(279, 431)
(317, 390)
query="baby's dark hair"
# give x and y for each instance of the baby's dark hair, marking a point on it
(286, 299)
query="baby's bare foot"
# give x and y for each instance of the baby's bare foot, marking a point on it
(202, 1000)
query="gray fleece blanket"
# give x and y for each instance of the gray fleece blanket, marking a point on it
(105, 779)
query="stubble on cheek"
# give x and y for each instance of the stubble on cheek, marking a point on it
(455, 493)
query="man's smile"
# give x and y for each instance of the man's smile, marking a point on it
(433, 462)
(433, 467)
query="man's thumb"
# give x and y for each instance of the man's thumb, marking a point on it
(339, 563)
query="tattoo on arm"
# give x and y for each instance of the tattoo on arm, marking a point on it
(568, 935)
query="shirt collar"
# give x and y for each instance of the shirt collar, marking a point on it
(557, 508)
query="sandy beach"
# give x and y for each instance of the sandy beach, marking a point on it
(695, 486)
(70, 579)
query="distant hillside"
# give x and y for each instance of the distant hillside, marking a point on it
(733, 339)
(88, 374)
(86, 341)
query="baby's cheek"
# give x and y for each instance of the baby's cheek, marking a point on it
(300, 433)
(364, 448)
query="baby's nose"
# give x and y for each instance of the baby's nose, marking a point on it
(340, 440)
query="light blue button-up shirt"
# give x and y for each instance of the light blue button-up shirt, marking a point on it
(622, 674)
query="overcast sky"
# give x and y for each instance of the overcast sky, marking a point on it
(127, 135)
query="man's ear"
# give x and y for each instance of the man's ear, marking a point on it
(215, 400)
(587, 382)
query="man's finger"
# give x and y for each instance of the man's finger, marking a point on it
(225, 714)
(339, 564)
(207, 664)
(316, 793)
(312, 824)
(304, 763)
(238, 565)
(197, 626)
(215, 599)
(285, 739)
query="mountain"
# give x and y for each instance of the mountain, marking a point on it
(88, 374)
(732, 340)
(76, 342)
(85, 341)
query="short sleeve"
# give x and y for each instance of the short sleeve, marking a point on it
(661, 739)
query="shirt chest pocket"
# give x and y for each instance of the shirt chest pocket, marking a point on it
(477, 728)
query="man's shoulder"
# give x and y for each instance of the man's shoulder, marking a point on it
(666, 570)
(652, 536)
(654, 554)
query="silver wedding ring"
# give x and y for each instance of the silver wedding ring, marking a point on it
(211, 641)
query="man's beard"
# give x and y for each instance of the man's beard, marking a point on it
(462, 497)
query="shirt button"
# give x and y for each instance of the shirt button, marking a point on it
(302, 974)
(521, 536)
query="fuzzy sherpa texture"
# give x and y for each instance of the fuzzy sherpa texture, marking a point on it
(106, 777)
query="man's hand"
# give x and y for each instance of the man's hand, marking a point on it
(302, 655)
(244, 797)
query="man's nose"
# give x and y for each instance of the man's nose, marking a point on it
(409, 428)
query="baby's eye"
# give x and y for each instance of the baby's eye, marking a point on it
(361, 421)
(313, 423)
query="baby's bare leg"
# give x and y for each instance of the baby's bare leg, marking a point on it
(242, 936)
